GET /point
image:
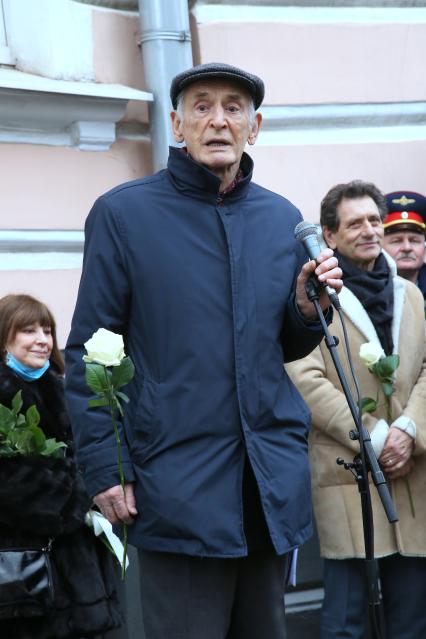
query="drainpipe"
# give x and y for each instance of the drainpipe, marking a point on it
(166, 51)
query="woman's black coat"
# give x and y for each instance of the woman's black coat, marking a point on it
(42, 498)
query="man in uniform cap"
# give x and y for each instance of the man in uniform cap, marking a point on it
(404, 237)
(385, 310)
(198, 268)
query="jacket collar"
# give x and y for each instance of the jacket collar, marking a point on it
(359, 316)
(196, 180)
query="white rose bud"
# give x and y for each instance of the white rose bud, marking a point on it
(370, 353)
(104, 347)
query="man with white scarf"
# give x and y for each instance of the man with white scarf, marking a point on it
(381, 308)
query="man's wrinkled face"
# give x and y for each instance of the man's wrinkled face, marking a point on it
(360, 231)
(407, 249)
(215, 121)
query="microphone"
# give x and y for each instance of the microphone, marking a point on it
(307, 233)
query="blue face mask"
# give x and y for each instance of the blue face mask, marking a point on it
(26, 372)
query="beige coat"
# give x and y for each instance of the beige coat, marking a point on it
(335, 493)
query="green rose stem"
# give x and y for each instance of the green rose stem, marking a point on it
(383, 367)
(113, 406)
(105, 384)
(405, 478)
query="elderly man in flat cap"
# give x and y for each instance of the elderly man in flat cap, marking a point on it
(404, 238)
(198, 268)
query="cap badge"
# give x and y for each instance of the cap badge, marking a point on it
(404, 200)
(404, 215)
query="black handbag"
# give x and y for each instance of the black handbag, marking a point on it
(26, 586)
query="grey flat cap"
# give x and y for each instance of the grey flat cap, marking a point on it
(252, 83)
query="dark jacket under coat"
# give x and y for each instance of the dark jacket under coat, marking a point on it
(202, 288)
(43, 498)
(421, 280)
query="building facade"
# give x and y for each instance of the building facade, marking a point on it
(345, 98)
(84, 106)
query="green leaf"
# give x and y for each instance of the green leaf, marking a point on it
(368, 405)
(121, 375)
(4, 429)
(97, 378)
(32, 416)
(102, 401)
(38, 438)
(396, 359)
(17, 403)
(21, 441)
(53, 448)
(119, 408)
(122, 396)
(7, 451)
(7, 419)
(386, 366)
(387, 388)
(20, 421)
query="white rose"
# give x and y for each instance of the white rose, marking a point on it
(104, 347)
(370, 353)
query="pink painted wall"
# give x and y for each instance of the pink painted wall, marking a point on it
(303, 174)
(320, 63)
(54, 187)
(57, 289)
(116, 52)
(46, 187)
(117, 56)
(324, 63)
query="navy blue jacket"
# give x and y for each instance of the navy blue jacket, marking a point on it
(202, 288)
(421, 279)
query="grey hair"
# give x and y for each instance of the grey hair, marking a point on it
(179, 104)
(179, 107)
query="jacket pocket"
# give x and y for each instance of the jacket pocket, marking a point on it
(144, 416)
(325, 471)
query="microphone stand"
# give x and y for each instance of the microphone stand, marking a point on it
(363, 463)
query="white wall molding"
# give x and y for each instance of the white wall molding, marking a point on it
(136, 131)
(52, 38)
(34, 250)
(300, 3)
(122, 5)
(41, 240)
(40, 261)
(342, 123)
(6, 56)
(40, 110)
(93, 136)
(206, 13)
(315, 116)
